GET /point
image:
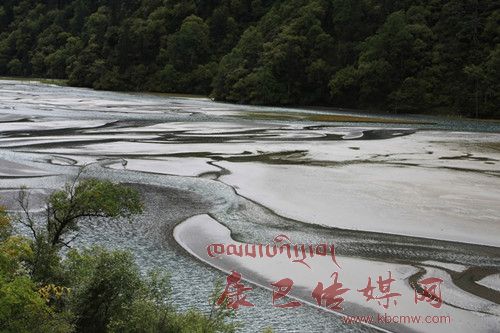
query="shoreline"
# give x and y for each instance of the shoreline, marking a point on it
(375, 113)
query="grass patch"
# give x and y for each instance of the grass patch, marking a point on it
(58, 82)
(326, 118)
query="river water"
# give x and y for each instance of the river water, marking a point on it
(415, 195)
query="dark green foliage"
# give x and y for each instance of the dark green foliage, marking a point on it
(22, 309)
(106, 286)
(93, 290)
(103, 291)
(401, 56)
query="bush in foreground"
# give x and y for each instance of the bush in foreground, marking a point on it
(91, 290)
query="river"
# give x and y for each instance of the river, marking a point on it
(411, 196)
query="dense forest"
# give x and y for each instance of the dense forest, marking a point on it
(437, 56)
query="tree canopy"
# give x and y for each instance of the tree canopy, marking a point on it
(401, 56)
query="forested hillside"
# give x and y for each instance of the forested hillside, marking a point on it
(401, 56)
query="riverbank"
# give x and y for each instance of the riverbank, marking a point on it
(341, 114)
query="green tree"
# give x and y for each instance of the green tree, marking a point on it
(15, 67)
(97, 290)
(21, 307)
(108, 294)
(79, 201)
(403, 56)
(237, 64)
(190, 45)
(105, 286)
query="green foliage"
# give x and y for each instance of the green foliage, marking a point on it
(80, 200)
(5, 224)
(104, 292)
(15, 67)
(22, 310)
(94, 290)
(15, 253)
(403, 56)
(189, 45)
(93, 198)
(21, 307)
(106, 285)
